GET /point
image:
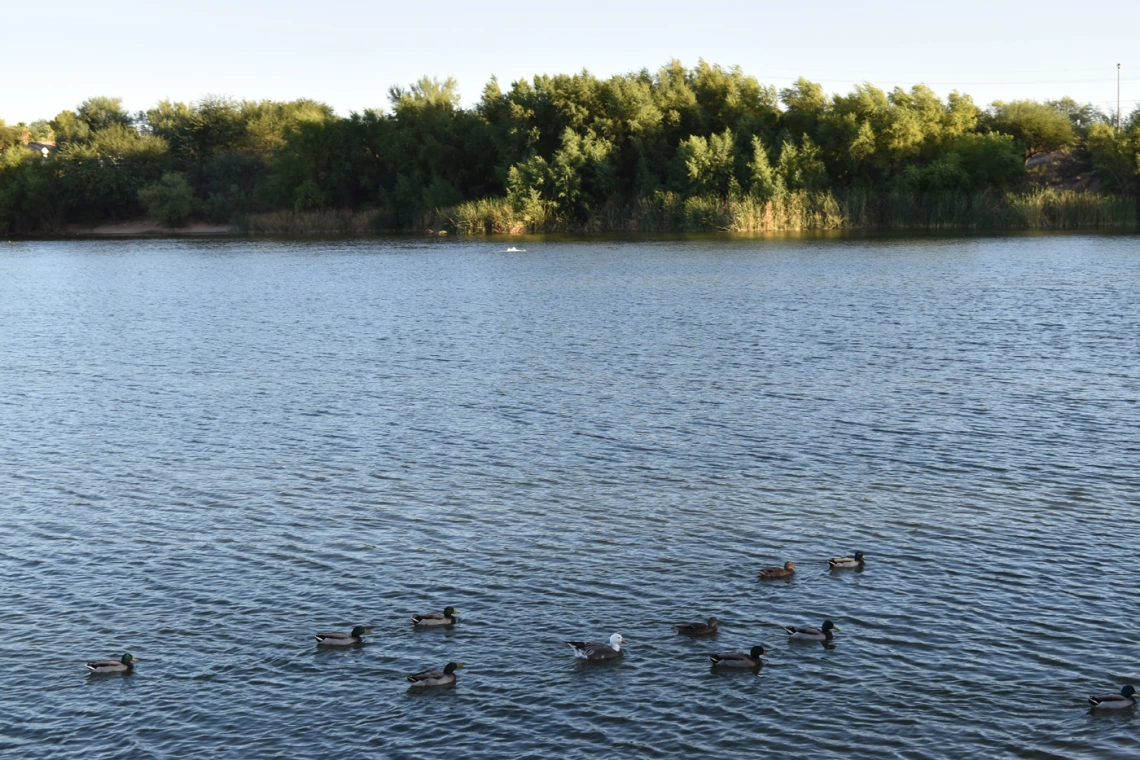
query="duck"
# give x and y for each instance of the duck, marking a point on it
(775, 573)
(808, 633)
(434, 618)
(1126, 698)
(739, 659)
(124, 664)
(343, 639)
(698, 629)
(435, 677)
(594, 650)
(847, 563)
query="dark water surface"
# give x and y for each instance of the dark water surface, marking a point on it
(213, 449)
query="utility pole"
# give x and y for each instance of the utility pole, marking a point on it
(1118, 97)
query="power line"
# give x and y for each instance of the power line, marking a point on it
(958, 84)
(1063, 71)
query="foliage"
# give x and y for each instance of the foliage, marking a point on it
(1116, 155)
(1082, 116)
(169, 201)
(706, 166)
(801, 167)
(308, 196)
(1038, 127)
(9, 136)
(764, 183)
(972, 163)
(705, 147)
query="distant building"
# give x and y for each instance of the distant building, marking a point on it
(42, 148)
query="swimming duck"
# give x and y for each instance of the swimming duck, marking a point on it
(436, 678)
(698, 629)
(434, 618)
(846, 563)
(808, 633)
(1126, 698)
(739, 659)
(342, 639)
(594, 650)
(125, 664)
(775, 573)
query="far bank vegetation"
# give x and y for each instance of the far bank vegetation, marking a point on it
(677, 149)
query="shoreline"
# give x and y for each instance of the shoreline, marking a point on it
(128, 231)
(143, 228)
(798, 213)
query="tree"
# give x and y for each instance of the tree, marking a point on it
(582, 176)
(525, 185)
(69, 128)
(801, 167)
(308, 197)
(169, 201)
(571, 144)
(1116, 156)
(728, 99)
(707, 166)
(1039, 128)
(9, 136)
(961, 116)
(973, 162)
(764, 183)
(1080, 115)
(102, 112)
(806, 105)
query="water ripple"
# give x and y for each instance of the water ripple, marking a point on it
(214, 449)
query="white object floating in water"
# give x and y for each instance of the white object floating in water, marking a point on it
(512, 249)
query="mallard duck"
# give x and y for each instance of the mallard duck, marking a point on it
(436, 678)
(808, 633)
(434, 618)
(594, 650)
(124, 664)
(1126, 698)
(775, 573)
(342, 639)
(698, 629)
(846, 563)
(739, 659)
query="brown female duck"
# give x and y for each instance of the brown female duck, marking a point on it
(775, 573)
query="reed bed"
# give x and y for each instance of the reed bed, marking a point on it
(801, 210)
(330, 222)
(1046, 209)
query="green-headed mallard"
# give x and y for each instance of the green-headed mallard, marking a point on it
(434, 618)
(823, 633)
(739, 659)
(124, 664)
(594, 650)
(342, 639)
(1126, 698)
(436, 678)
(775, 573)
(846, 563)
(698, 629)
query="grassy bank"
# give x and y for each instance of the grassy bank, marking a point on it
(855, 210)
(326, 222)
(1042, 209)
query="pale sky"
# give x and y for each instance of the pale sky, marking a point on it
(347, 53)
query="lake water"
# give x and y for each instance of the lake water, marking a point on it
(212, 449)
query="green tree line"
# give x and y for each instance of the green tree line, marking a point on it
(554, 152)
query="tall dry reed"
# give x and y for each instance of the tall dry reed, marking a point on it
(330, 222)
(801, 210)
